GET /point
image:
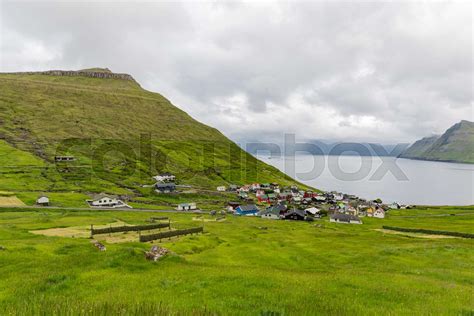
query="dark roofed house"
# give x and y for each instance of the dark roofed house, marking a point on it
(165, 187)
(281, 207)
(344, 218)
(295, 214)
(274, 211)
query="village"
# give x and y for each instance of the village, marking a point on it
(269, 201)
(265, 200)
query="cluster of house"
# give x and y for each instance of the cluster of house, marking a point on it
(293, 203)
(277, 211)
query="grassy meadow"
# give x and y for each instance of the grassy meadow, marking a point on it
(242, 266)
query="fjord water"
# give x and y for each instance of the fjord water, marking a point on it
(426, 182)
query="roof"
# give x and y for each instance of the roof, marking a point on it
(166, 174)
(271, 210)
(280, 207)
(165, 185)
(295, 211)
(344, 217)
(277, 208)
(312, 210)
(103, 195)
(186, 204)
(248, 207)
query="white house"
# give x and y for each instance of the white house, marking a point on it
(379, 213)
(244, 188)
(338, 197)
(164, 177)
(270, 213)
(186, 207)
(107, 201)
(43, 201)
(221, 188)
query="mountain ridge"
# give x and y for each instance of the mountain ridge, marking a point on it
(119, 133)
(454, 145)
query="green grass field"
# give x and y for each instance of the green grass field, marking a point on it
(247, 266)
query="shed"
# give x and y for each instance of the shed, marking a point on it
(43, 200)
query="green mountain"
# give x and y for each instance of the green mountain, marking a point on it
(119, 134)
(455, 145)
(419, 147)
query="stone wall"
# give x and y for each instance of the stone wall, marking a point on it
(70, 73)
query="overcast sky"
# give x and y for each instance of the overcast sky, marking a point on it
(345, 71)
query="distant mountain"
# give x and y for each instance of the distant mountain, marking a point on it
(316, 147)
(455, 145)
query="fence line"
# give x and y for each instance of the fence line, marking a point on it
(429, 231)
(118, 229)
(171, 233)
(161, 218)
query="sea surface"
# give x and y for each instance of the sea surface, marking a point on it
(392, 179)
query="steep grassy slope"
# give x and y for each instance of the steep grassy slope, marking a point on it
(120, 134)
(456, 144)
(419, 147)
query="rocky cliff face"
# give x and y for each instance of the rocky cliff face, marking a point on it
(82, 73)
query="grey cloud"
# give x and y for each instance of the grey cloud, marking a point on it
(200, 55)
